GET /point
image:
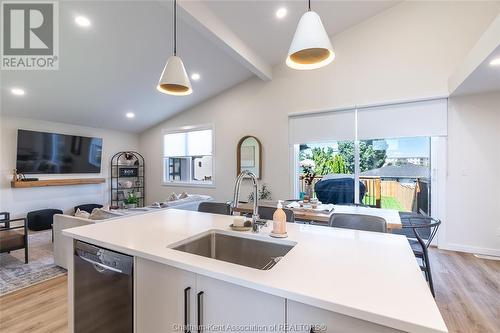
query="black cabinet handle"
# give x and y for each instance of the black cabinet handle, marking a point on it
(200, 311)
(187, 311)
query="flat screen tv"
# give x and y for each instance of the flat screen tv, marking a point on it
(52, 153)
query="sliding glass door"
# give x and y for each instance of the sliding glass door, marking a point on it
(374, 156)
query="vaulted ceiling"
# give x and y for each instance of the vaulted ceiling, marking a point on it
(112, 67)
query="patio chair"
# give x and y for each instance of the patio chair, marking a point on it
(12, 239)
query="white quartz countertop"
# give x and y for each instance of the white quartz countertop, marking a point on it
(366, 275)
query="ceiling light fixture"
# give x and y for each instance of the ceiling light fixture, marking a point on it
(495, 62)
(174, 79)
(130, 115)
(311, 47)
(82, 21)
(281, 13)
(17, 91)
(195, 76)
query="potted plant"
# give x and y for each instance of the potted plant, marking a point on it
(308, 176)
(264, 194)
(131, 201)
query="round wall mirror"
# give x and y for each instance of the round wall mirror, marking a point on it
(249, 155)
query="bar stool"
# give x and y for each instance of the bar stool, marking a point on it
(424, 229)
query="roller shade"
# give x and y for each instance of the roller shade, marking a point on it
(424, 118)
(322, 127)
(194, 143)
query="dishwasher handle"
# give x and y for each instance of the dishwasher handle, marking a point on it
(100, 267)
(103, 259)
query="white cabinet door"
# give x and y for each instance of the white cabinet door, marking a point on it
(308, 319)
(164, 295)
(225, 307)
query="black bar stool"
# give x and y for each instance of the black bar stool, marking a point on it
(424, 229)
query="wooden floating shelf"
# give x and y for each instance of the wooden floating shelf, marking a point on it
(57, 182)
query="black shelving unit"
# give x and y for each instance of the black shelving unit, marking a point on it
(127, 166)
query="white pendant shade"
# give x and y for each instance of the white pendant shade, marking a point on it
(174, 79)
(311, 47)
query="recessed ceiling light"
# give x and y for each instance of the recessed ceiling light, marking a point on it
(17, 91)
(82, 21)
(281, 13)
(130, 115)
(195, 76)
(495, 62)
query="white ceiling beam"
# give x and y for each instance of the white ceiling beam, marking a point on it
(204, 20)
(487, 43)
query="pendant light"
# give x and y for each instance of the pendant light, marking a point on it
(174, 79)
(311, 47)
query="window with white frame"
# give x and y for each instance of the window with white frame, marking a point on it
(188, 157)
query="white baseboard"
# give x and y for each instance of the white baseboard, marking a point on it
(482, 256)
(470, 249)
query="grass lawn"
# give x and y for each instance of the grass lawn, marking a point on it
(387, 203)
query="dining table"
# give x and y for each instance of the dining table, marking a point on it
(322, 217)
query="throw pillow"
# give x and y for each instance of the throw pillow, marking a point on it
(172, 197)
(81, 213)
(102, 214)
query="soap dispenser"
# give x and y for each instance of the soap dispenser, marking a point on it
(279, 221)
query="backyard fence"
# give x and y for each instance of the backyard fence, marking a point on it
(403, 193)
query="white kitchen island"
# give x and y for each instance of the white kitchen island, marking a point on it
(337, 280)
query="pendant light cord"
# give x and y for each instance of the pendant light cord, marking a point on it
(175, 27)
(309, 6)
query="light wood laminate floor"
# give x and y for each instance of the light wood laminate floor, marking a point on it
(467, 293)
(39, 308)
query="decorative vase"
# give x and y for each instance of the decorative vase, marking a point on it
(308, 193)
(125, 184)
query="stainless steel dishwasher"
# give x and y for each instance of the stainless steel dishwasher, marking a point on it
(103, 290)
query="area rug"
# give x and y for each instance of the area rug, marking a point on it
(15, 274)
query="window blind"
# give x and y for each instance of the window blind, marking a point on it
(412, 119)
(424, 118)
(322, 127)
(194, 143)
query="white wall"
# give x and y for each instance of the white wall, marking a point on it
(473, 200)
(406, 52)
(20, 201)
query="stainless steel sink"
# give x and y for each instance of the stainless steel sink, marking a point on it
(243, 251)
